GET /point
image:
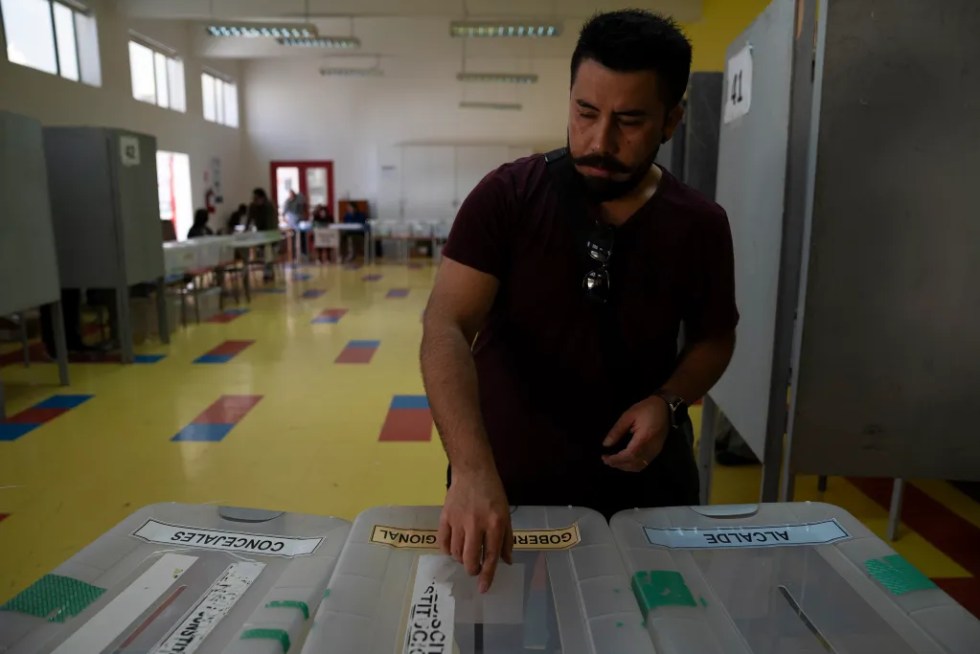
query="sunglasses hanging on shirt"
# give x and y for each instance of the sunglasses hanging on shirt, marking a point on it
(599, 246)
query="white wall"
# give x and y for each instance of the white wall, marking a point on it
(295, 113)
(56, 101)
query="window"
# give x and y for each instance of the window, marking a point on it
(53, 37)
(174, 190)
(158, 77)
(220, 100)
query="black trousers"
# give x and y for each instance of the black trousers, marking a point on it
(670, 480)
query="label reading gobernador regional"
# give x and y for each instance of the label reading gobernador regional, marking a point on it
(524, 539)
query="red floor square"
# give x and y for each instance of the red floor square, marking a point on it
(407, 425)
(356, 355)
(230, 347)
(227, 409)
(35, 415)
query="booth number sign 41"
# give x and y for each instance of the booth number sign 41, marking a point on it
(738, 85)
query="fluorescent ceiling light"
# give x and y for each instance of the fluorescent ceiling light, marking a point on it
(353, 72)
(262, 30)
(504, 106)
(323, 42)
(507, 78)
(525, 29)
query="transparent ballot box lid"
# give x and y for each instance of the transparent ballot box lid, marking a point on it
(180, 579)
(394, 593)
(800, 578)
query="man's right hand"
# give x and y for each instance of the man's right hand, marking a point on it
(475, 525)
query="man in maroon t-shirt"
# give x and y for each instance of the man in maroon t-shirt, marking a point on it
(550, 347)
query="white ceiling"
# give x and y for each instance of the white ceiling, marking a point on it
(683, 10)
(414, 29)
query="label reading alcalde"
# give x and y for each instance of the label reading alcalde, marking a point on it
(816, 533)
(524, 539)
(227, 541)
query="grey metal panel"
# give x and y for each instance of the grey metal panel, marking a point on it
(138, 209)
(752, 165)
(702, 124)
(890, 352)
(82, 206)
(106, 215)
(28, 265)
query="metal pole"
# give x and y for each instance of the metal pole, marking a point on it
(24, 344)
(706, 446)
(163, 322)
(895, 511)
(60, 342)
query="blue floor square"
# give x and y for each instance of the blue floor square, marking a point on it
(410, 402)
(213, 358)
(63, 401)
(206, 433)
(235, 312)
(11, 431)
(147, 358)
(329, 320)
(365, 344)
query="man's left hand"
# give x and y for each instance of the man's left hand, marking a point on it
(649, 422)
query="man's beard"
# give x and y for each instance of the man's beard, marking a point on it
(600, 189)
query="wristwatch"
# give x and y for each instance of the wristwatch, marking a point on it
(674, 402)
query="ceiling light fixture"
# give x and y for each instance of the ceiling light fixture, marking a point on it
(520, 29)
(503, 106)
(259, 30)
(344, 42)
(506, 78)
(353, 72)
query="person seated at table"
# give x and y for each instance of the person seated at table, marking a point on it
(200, 226)
(355, 241)
(322, 215)
(321, 220)
(236, 218)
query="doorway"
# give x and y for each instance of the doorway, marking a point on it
(312, 179)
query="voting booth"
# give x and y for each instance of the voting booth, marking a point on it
(180, 578)
(393, 592)
(795, 577)
(853, 287)
(28, 263)
(105, 208)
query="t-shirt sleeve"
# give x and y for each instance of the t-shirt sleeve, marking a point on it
(711, 309)
(480, 237)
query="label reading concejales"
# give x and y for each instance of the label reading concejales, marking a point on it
(524, 539)
(228, 541)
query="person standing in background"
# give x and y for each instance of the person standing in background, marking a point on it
(294, 211)
(261, 213)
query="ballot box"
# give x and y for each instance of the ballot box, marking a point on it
(798, 578)
(393, 592)
(180, 579)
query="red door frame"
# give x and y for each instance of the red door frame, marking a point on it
(302, 165)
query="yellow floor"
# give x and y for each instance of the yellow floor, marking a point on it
(310, 445)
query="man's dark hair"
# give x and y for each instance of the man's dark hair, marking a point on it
(633, 40)
(259, 193)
